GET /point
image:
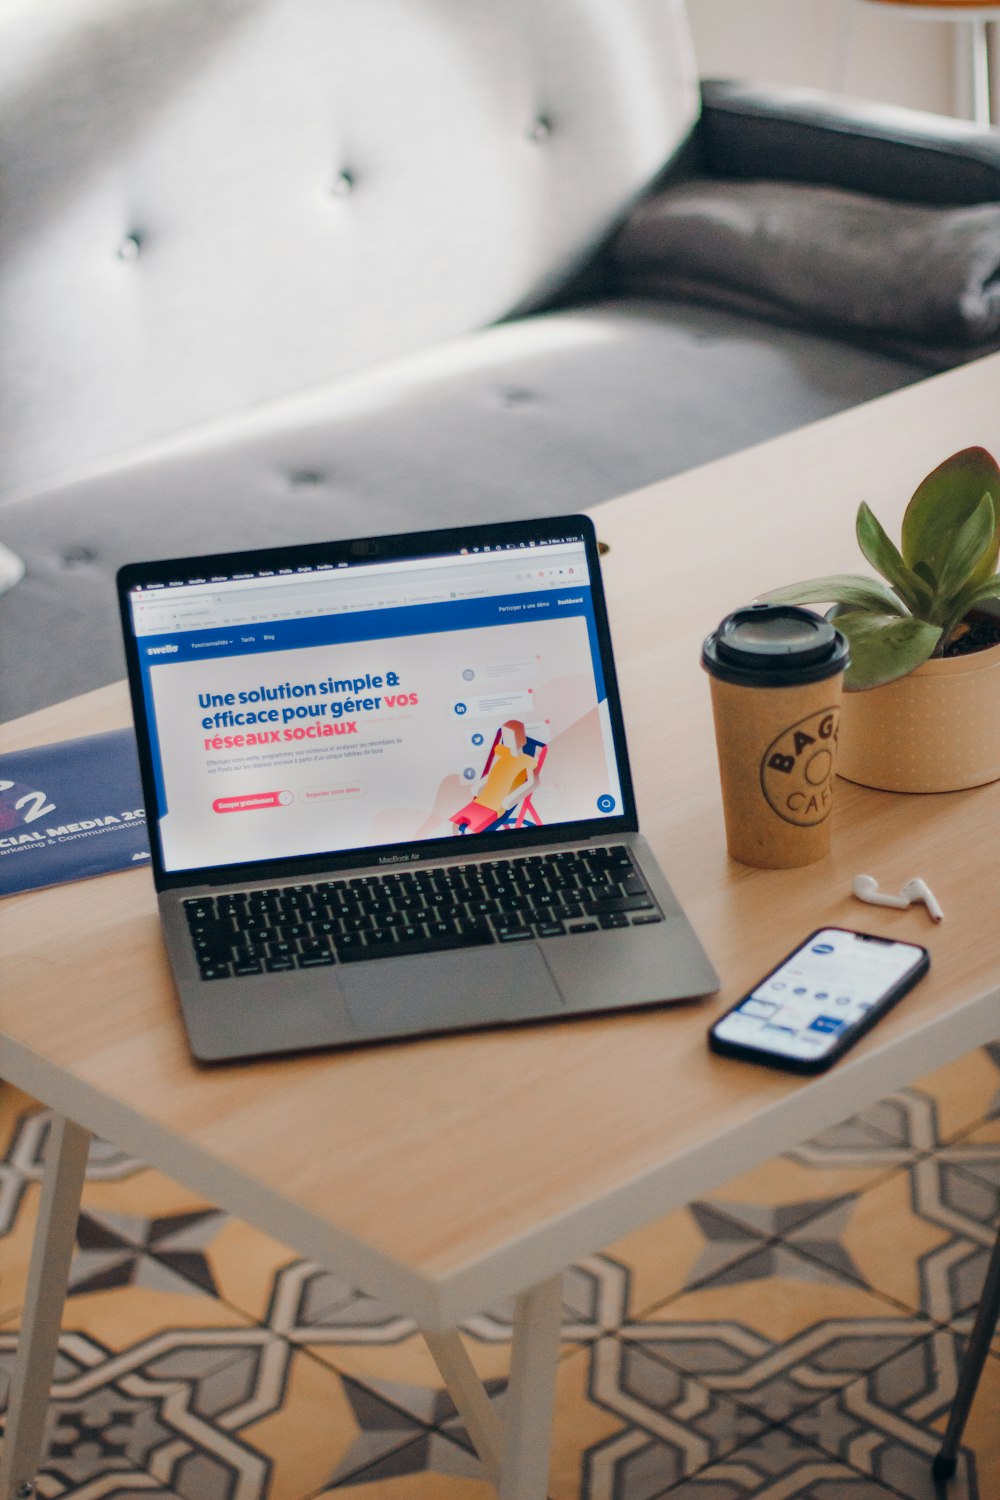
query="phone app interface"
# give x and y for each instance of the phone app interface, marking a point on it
(832, 982)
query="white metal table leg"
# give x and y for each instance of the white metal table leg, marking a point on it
(515, 1452)
(52, 1250)
(527, 1428)
(470, 1398)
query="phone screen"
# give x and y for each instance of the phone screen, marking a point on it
(806, 1009)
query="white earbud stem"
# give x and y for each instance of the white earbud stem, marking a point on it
(918, 890)
(865, 887)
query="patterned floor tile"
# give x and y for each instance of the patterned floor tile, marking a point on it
(24, 1133)
(430, 1468)
(960, 1095)
(664, 1258)
(157, 1376)
(363, 1340)
(776, 1466)
(890, 1424)
(789, 1190)
(921, 1237)
(776, 1332)
(628, 1426)
(977, 1153)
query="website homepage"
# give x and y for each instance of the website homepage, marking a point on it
(326, 709)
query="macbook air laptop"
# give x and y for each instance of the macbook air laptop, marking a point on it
(388, 790)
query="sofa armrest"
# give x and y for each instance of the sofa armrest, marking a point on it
(803, 135)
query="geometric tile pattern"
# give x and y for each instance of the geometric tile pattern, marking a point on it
(795, 1336)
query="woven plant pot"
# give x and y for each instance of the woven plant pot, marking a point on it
(935, 730)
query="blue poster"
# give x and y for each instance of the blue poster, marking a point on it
(70, 810)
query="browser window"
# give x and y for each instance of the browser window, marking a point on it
(336, 707)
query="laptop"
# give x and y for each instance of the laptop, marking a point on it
(388, 790)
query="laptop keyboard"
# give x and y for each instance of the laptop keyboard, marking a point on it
(418, 910)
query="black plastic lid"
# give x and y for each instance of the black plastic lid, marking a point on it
(774, 645)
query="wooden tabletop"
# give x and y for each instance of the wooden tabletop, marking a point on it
(444, 1173)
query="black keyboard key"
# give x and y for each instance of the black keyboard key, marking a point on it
(282, 950)
(314, 947)
(549, 929)
(516, 935)
(473, 935)
(481, 907)
(617, 904)
(613, 919)
(256, 934)
(247, 966)
(315, 960)
(214, 971)
(350, 945)
(510, 921)
(218, 943)
(643, 919)
(199, 912)
(279, 965)
(583, 927)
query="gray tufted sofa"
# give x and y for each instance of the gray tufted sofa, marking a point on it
(279, 270)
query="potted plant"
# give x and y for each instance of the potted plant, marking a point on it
(921, 711)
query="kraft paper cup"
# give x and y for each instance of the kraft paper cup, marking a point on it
(776, 675)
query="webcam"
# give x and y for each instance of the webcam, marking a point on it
(364, 549)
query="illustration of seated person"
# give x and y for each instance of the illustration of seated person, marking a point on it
(503, 797)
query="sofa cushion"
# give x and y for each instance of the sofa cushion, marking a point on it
(211, 204)
(926, 278)
(541, 416)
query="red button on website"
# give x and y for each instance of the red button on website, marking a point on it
(251, 802)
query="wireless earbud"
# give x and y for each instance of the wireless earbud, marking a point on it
(917, 890)
(865, 887)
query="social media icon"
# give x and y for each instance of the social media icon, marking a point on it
(606, 803)
(477, 738)
(468, 674)
(822, 948)
(469, 773)
(461, 708)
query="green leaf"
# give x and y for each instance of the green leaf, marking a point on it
(838, 588)
(942, 504)
(977, 593)
(969, 545)
(884, 647)
(988, 589)
(883, 555)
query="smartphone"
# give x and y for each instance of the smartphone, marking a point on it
(819, 1000)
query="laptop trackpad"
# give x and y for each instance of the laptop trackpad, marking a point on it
(470, 988)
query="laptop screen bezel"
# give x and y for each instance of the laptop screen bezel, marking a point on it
(366, 550)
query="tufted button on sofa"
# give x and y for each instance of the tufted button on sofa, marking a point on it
(279, 270)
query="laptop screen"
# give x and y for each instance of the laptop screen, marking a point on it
(323, 702)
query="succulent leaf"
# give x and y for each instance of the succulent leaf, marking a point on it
(852, 589)
(946, 566)
(884, 647)
(978, 593)
(943, 502)
(969, 546)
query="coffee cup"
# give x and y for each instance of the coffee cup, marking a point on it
(776, 674)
